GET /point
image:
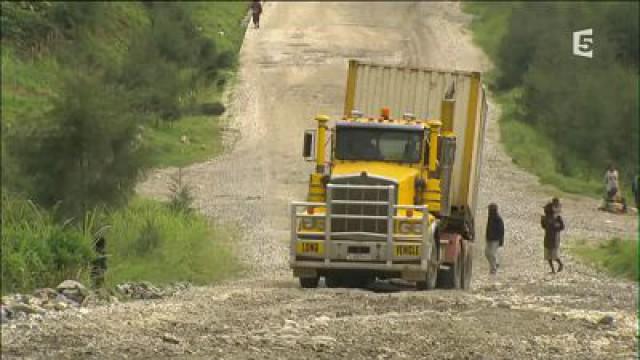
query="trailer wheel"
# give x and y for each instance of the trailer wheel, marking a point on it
(467, 266)
(309, 282)
(451, 278)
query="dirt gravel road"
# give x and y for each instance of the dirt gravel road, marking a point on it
(291, 69)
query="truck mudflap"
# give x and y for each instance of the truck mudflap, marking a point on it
(451, 242)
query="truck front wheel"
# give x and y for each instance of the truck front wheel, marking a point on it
(467, 267)
(431, 279)
(309, 282)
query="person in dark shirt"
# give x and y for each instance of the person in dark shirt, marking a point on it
(494, 238)
(256, 11)
(552, 224)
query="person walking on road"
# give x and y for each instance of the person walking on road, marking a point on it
(552, 224)
(494, 238)
(256, 11)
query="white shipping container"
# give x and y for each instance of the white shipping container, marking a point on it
(420, 91)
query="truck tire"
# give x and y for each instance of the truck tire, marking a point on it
(309, 282)
(467, 266)
(431, 279)
(452, 277)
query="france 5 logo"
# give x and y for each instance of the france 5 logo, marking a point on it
(583, 43)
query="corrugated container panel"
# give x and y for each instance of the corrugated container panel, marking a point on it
(420, 91)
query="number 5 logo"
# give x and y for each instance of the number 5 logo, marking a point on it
(583, 43)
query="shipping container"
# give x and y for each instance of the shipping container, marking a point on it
(420, 91)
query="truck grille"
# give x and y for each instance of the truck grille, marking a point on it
(360, 225)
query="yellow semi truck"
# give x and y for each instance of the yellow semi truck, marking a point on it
(394, 190)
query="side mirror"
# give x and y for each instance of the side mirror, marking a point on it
(309, 147)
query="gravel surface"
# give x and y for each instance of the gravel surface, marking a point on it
(292, 68)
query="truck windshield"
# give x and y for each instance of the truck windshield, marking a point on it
(378, 144)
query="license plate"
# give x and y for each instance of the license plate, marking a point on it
(310, 247)
(407, 250)
(358, 257)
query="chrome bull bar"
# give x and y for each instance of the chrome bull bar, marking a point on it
(327, 235)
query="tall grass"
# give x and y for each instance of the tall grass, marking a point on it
(39, 250)
(145, 241)
(617, 256)
(203, 141)
(149, 241)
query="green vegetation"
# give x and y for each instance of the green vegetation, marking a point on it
(618, 257)
(150, 241)
(82, 153)
(93, 95)
(531, 150)
(169, 71)
(146, 240)
(489, 24)
(37, 250)
(202, 136)
(565, 117)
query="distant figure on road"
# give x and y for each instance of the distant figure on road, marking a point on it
(494, 238)
(611, 182)
(552, 224)
(256, 10)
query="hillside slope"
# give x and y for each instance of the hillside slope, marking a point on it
(35, 62)
(94, 94)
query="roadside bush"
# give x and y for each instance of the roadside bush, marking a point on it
(70, 17)
(617, 256)
(25, 22)
(84, 152)
(149, 238)
(39, 251)
(181, 198)
(214, 108)
(187, 247)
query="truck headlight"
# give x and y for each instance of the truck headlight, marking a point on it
(311, 223)
(307, 223)
(410, 228)
(405, 227)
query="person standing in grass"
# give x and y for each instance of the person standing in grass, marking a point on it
(635, 187)
(494, 238)
(552, 224)
(611, 182)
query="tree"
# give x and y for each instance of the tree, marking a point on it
(587, 106)
(83, 153)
